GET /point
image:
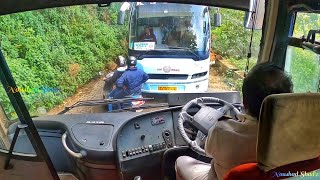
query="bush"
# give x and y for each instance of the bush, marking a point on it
(235, 85)
(231, 41)
(304, 69)
(232, 38)
(60, 48)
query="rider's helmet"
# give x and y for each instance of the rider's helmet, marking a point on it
(132, 61)
(121, 61)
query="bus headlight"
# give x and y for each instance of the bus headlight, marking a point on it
(198, 75)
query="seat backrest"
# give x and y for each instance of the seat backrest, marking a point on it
(288, 136)
(289, 129)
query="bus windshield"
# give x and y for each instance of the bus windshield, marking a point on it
(176, 27)
(64, 58)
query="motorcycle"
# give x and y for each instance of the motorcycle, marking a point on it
(134, 104)
(108, 85)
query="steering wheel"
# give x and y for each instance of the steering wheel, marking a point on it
(203, 120)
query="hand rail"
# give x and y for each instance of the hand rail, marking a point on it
(79, 155)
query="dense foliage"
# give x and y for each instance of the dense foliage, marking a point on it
(304, 65)
(306, 22)
(60, 48)
(304, 68)
(231, 40)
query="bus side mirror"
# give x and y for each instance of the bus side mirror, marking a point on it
(254, 18)
(121, 16)
(217, 19)
(122, 13)
(206, 28)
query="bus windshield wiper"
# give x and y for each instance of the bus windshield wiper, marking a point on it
(143, 54)
(102, 102)
(186, 49)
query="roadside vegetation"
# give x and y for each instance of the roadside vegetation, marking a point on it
(304, 66)
(60, 48)
(231, 41)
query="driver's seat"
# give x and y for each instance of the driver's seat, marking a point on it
(288, 139)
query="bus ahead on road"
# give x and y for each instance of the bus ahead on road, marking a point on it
(172, 45)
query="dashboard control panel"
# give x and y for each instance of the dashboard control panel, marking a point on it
(144, 149)
(145, 135)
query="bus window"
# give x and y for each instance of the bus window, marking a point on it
(6, 114)
(304, 65)
(306, 22)
(169, 26)
(8, 123)
(133, 34)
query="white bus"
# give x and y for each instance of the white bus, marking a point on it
(172, 44)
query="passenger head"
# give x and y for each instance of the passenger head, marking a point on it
(131, 61)
(147, 30)
(121, 61)
(263, 80)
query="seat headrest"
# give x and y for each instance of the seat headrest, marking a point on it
(289, 129)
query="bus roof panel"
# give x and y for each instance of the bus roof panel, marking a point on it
(164, 10)
(13, 6)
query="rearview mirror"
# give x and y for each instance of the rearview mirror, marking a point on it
(217, 19)
(121, 16)
(254, 18)
(100, 73)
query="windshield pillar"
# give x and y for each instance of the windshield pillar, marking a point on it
(282, 33)
(24, 116)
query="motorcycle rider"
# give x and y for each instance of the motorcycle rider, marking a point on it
(111, 78)
(130, 82)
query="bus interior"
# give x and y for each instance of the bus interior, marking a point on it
(145, 145)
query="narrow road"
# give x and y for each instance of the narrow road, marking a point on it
(90, 91)
(216, 82)
(93, 91)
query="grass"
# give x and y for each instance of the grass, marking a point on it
(241, 63)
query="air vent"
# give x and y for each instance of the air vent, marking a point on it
(168, 76)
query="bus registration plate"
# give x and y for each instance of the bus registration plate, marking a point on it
(167, 88)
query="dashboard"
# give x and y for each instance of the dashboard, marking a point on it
(125, 144)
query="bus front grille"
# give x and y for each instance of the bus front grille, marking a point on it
(168, 76)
